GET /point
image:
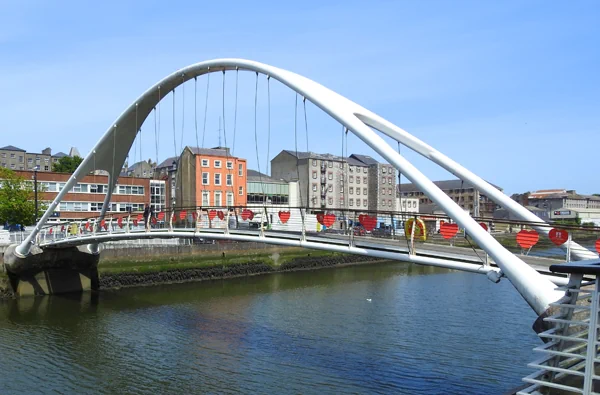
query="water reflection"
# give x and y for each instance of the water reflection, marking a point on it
(424, 330)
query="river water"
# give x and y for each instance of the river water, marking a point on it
(382, 328)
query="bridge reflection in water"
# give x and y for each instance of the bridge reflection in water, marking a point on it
(426, 330)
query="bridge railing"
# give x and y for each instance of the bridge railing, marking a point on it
(411, 231)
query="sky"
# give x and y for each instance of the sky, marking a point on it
(508, 89)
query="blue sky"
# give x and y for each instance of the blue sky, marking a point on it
(508, 89)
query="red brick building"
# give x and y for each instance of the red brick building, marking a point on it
(86, 198)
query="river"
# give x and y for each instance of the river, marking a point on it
(382, 328)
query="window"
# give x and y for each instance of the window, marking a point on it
(314, 175)
(330, 175)
(365, 202)
(217, 198)
(383, 179)
(46, 160)
(390, 191)
(314, 187)
(205, 163)
(364, 169)
(389, 180)
(330, 189)
(358, 180)
(330, 201)
(12, 165)
(383, 170)
(229, 164)
(390, 203)
(4, 154)
(383, 202)
(217, 178)
(351, 202)
(30, 160)
(314, 162)
(330, 164)
(229, 180)
(12, 156)
(341, 165)
(218, 164)
(229, 199)
(240, 170)
(20, 159)
(358, 191)
(351, 190)
(205, 179)
(80, 188)
(365, 191)
(206, 198)
(351, 179)
(365, 180)
(241, 191)
(351, 169)
(45, 168)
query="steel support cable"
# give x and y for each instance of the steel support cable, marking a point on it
(206, 105)
(305, 123)
(256, 134)
(196, 112)
(227, 157)
(155, 139)
(237, 70)
(296, 148)
(174, 131)
(159, 121)
(182, 111)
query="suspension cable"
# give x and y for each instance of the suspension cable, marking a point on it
(155, 137)
(174, 132)
(256, 133)
(182, 111)
(305, 123)
(159, 121)
(227, 157)
(206, 105)
(297, 157)
(223, 110)
(235, 109)
(268, 121)
(196, 112)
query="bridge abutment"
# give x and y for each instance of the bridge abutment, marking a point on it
(52, 271)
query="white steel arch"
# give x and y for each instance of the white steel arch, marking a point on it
(110, 152)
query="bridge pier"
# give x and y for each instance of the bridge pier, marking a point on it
(52, 271)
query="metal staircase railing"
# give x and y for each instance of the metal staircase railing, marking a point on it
(570, 355)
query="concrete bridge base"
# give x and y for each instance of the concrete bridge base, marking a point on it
(52, 271)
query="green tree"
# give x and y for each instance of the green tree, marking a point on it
(17, 204)
(67, 164)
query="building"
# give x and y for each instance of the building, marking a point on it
(142, 169)
(358, 184)
(86, 198)
(320, 178)
(563, 199)
(263, 190)
(382, 183)
(207, 177)
(15, 158)
(407, 204)
(463, 193)
(582, 215)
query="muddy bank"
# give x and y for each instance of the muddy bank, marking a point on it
(130, 279)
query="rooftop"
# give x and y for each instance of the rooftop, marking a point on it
(366, 159)
(59, 155)
(12, 148)
(255, 176)
(217, 151)
(443, 185)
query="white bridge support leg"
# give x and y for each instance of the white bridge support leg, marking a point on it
(110, 153)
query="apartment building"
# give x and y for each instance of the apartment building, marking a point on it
(320, 177)
(16, 158)
(207, 177)
(382, 183)
(463, 193)
(86, 198)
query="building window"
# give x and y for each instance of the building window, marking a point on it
(351, 190)
(229, 164)
(365, 202)
(4, 154)
(45, 168)
(383, 180)
(314, 187)
(229, 180)
(240, 170)
(12, 165)
(314, 175)
(205, 179)
(241, 191)
(330, 175)
(383, 170)
(314, 162)
(351, 179)
(358, 180)
(20, 159)
(205, 198)
(383, 202)
(365, 180)
(205, 163)
(12, 156)
(330, 201)
(390, 203)
(217, 178)
(330, 189)
(217, 198)
(389, 180)
(341, 165)
(351, 202)
(365, 191)
(30, 160)
(358, 191)
(390, 191)
(330, 164)
(46, 160)
(218, 164)
(229, 199)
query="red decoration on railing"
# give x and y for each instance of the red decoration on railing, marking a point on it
(220, 215)
(527, 238)
(367, 222)
(320, 218)
(87, 226)
(154, 221)
(182, 215)
(598, 246)
(135, 222)
(448, 231)
(62, 228)
(120, 222)
(161, 215)
(103, 224)
(194, 215)
(558, 236)
(140, 217)
(247, 214)
(484, 226)
(212, 214)
(326, 219)
(284, 216)
(50, 231)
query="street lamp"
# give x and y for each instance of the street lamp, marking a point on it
(35, 192)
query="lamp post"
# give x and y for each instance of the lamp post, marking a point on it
(35, 193)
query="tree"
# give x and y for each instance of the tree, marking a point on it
(67, 164)
(17, 203)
